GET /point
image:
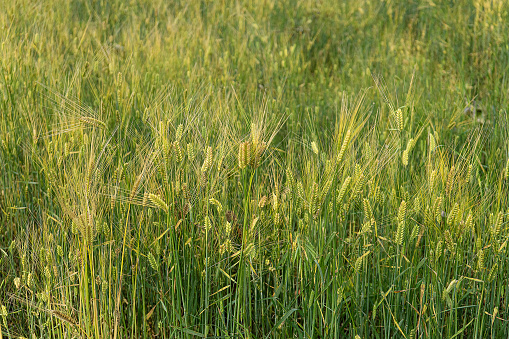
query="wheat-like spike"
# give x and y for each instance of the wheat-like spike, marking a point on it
(452, 284)
(156, 200)
(438, 251)
(290, 178)
(451, 219)
(359, 186)
(368, 151)
(162, 129)
(217, 204)
(275, 202)
(250, 250)
(226, 247)
(432, 179)
(478, 243)
(417, 205)
(190, 151)
(342, 150)
(263, 201)
(493, 272)
(415, 232)
(180, 131)
(491, 220)
(177, 184)
(447, 291)
(166, 150)
(404, 157)
(343, 189)
(401, 223)
(17, 282)
(60, 251)
(399, 118)
(66, 149)
(136, 185)
(242, 155)
(64, 317)
(368, 212)
(468, 175)
(47, 273)
(366, 226)
(119, 79)
(438, 208)
(411, 143)
(314, 198)
(432, 143)
(104, 287)
(480, 260)
(469, 223)
(325, 191)
(507, 170)
(29, 279)
(153, 262)
(185, 191)
(498, 224)
(450, 180)
(207, 163)
(258, 151)
(449, 242)
(248, 153)
(314, 147)
(358, 264)
(178, 151)
(207, 224)
(92, 121)
(300, 190)
(277, 218)
(252, 229)
(359, 261)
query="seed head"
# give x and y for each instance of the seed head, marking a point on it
(152, 261)
(401, 223)
(180, 131)
(243, 152)
(190, 151)
(217, 204)
(156, 200)
(314, 147)
(399, 119)
(342, 150)
(208, 160)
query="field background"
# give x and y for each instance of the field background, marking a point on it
(254, 169)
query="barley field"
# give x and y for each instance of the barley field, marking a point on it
(254, 169)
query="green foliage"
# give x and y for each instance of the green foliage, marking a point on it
(254, 169)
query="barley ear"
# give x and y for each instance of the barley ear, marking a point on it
(344, 146)
(401, 223)
(507, 170)
(156, 200)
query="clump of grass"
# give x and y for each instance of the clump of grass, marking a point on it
(204, 170)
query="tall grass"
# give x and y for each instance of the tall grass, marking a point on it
(254, 169)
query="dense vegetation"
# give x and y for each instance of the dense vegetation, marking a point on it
(254, 169)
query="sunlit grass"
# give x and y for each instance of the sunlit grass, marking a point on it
(254, 169)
